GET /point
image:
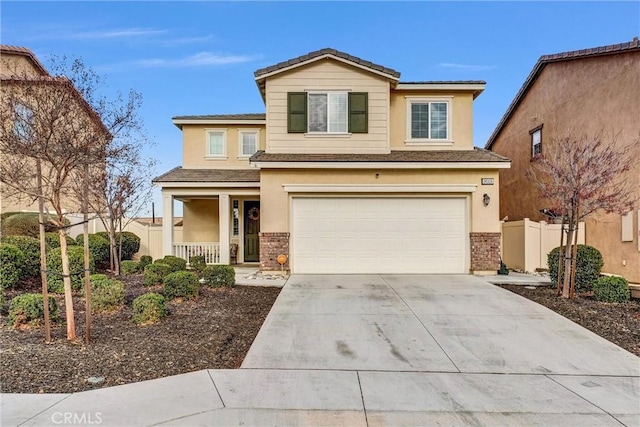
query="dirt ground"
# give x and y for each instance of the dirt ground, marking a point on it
(616, 322)
(213, 331)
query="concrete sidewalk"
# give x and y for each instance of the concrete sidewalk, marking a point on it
(382, 350)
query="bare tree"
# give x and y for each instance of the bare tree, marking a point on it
(579, 176)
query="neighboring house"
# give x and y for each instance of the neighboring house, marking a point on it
(24, 79)
(575, 93)
(349, 171)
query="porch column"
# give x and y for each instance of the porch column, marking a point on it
(167, 224)
(225, 239)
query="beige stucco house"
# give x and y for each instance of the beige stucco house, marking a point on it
(350, 170)
(580, 92)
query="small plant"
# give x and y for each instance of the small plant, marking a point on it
(176, 264)
(129, 267)
(611, 289)
(144, 261)
(106, 294)
(11, 262)
(149, 308)
(76, 268)
(29, 309)
(588, 265)
(503, 269)
(219, 275)
(198, 263)
(154, 273)
(98, 248)
(52, 240)
(30, 247)
(181, 284)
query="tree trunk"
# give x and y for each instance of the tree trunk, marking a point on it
(566, 283)
(87, 279)
(559, 277)
(66, 279)
(574, 260)
(43, 256)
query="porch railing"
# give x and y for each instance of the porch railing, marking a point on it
(210, 251)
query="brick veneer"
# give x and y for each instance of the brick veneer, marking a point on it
(272, 245)
(485, 251)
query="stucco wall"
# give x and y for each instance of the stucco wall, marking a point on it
(17, 65)
(200, 219)
(577, 97)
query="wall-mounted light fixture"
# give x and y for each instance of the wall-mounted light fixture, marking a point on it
(486, 199)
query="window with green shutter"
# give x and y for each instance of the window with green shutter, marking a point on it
(297, 112)
(358, 121)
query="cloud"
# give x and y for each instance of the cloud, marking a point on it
(188, 40)
(103, 34)
(466, 67)
(202, 59)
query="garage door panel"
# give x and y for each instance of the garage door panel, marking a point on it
(379, 235)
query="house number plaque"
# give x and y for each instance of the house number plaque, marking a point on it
(487, 181)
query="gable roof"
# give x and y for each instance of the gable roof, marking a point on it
(544, 60)
(23, 51)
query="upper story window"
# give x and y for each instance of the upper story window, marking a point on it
(23, 122)
(327, 112)
(428, 119)
(216, 143)
(536, 141)
(248, 142)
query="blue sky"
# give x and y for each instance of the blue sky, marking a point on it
(199, 57)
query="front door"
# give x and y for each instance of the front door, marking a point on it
(251, 230)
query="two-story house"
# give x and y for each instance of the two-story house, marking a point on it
(349, 171)
(577, 93)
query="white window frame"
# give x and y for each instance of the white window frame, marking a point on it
(410, 100)
(241, 133)
(536, 131)
(23, 124)
(216, 156)
(328, 93)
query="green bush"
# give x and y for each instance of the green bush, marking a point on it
(30, 247)
(52, 240)
(181, 284)
(219, 275)
(611, 289)
(98, 247)
(154, 273)
(176, 264)
(106, 294)
(26, 224)
(129, 267)
(589, 263)
(149, 308)
(76, 265)
(130, 243)
(198, 263)
(29, 308)
(144, 261)
(11, 261)
(1, 298)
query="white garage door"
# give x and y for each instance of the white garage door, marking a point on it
(379, 235)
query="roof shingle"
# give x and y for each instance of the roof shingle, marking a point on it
(244, 116)
(476, 155)
(209, 175)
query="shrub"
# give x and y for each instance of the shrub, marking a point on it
(11, 261)
(26, 224)
(611, 289)
(1, 298)
(98, 247)
(106, 294)
(144, 261)
(130, 243)
(198, 263)
(29, 308)
(154, 273)
(52, 239)
(588, 265)
(129, 267)
(149, 308)
(176, 264)
(30, 247)
(219, 275)
(181, 284)
(76, 268)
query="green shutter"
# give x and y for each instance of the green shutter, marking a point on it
(358, 114)
(297, 112)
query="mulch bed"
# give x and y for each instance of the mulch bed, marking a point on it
(616, 322)
(213, 331)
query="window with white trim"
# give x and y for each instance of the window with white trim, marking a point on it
(428, 120)
(23, 122)
(536, 141)
(249, 141)
(216, 143)
(328, 112)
